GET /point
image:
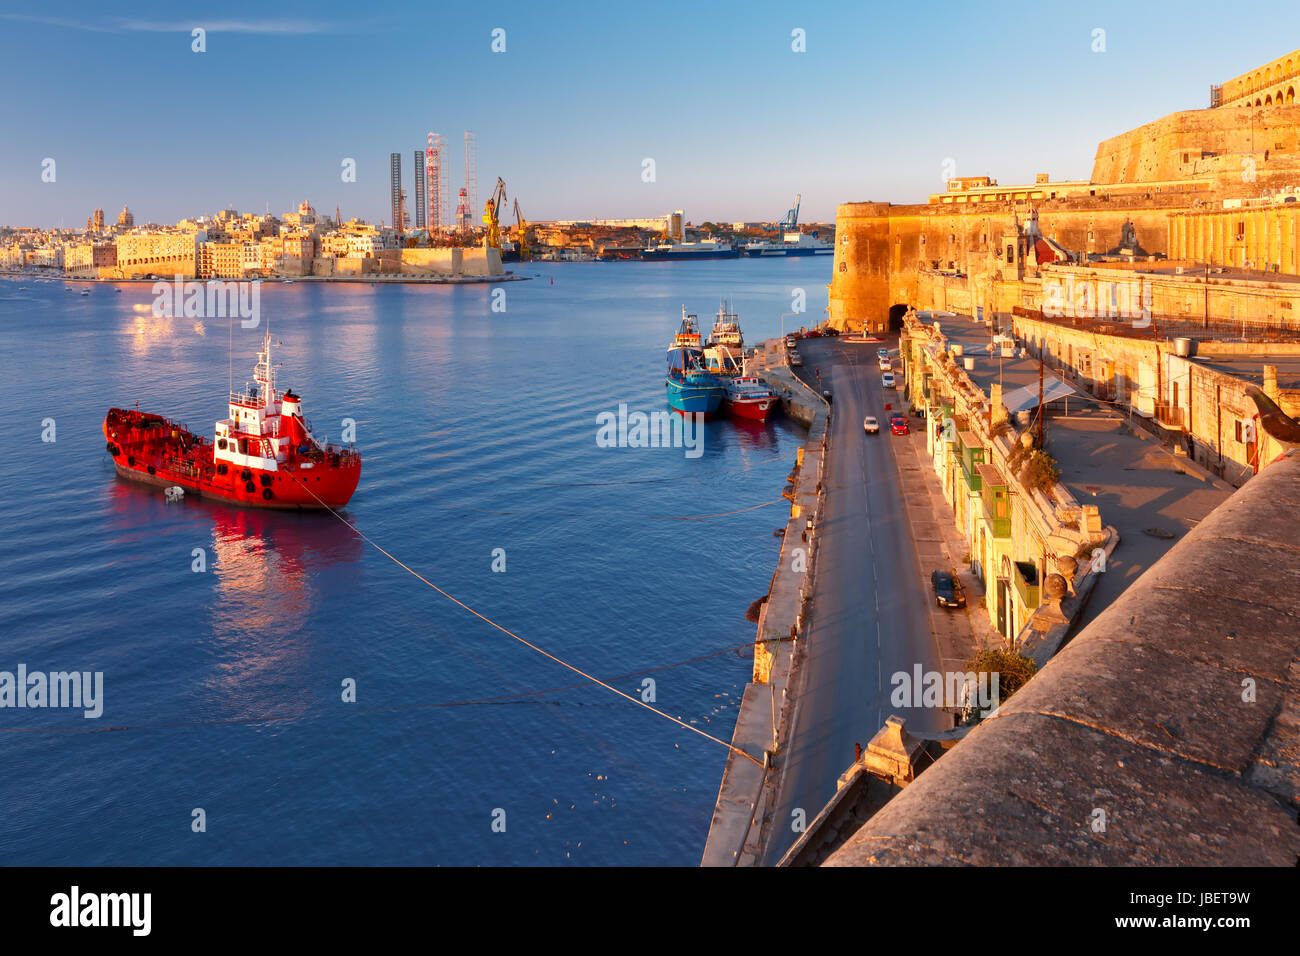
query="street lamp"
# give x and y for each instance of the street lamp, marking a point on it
(783, 315)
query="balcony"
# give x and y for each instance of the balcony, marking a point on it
(996, 499)
(972, 456)
(1025, 576)
(1171, 416)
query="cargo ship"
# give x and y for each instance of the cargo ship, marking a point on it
(263, 455)
(793, 242)
(691, 389)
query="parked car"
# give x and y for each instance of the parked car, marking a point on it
(898, 425)
(826, 394)
(870, 425)
(887, 380)
(796, 359)
(831, 331)
(947, 589)
(789, 341)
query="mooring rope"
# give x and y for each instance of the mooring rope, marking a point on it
(276, 718)
(509, 633)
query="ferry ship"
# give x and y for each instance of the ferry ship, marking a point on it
(691, 389)
(264, 454)
(704, 249)
(791, 244)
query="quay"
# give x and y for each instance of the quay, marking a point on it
(765, 715)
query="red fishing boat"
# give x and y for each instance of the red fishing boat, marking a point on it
(264, 455)
(749, 397)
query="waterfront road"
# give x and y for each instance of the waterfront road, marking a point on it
(870, 610)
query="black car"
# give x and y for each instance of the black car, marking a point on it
(947, 589)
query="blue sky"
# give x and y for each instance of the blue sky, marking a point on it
(735, 120)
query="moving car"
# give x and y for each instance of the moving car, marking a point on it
(898, 425)
(947, 589)
(882, 353)
(796, 359)
(826, 394)
(870, 425)
(887, 380)
(789, 341)
(885, 365)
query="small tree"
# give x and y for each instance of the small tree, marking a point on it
(1012, 670)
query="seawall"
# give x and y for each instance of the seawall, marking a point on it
(765, 711)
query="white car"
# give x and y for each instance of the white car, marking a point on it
(796, 359)
(885, 365)
(887, 380)
(870, 425)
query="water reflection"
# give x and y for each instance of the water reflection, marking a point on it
(272, 573)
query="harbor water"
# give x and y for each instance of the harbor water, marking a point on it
(228, 639)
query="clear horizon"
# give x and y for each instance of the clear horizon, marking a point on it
(735, 120)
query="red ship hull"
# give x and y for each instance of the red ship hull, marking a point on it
(155, 451)
(750, 410)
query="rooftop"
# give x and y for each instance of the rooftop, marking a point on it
(1249, 367)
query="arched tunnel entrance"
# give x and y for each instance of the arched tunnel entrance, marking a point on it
(896, 313)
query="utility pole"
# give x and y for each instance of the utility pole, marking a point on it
(1040, 396)
(1207, 296)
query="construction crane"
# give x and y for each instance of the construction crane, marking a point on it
(521, 226)
(791, 221)
(491, 215)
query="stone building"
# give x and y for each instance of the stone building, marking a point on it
(1273, 84)
(1165, 185)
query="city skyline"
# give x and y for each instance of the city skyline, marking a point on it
(567, 116)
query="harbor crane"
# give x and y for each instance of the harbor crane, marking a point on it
(521, 226)
(491, 215)
(791, 220)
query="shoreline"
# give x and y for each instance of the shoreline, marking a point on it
(280, 280)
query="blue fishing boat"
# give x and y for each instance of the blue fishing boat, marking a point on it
(691, 388)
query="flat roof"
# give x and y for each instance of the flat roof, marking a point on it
(990, 368)
(1250, 367)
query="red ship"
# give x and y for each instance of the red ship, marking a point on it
(264, 455)
(749, 398)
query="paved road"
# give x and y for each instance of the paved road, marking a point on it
(870, 613)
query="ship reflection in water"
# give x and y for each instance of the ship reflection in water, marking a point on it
(272, 570)
(270, 574)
